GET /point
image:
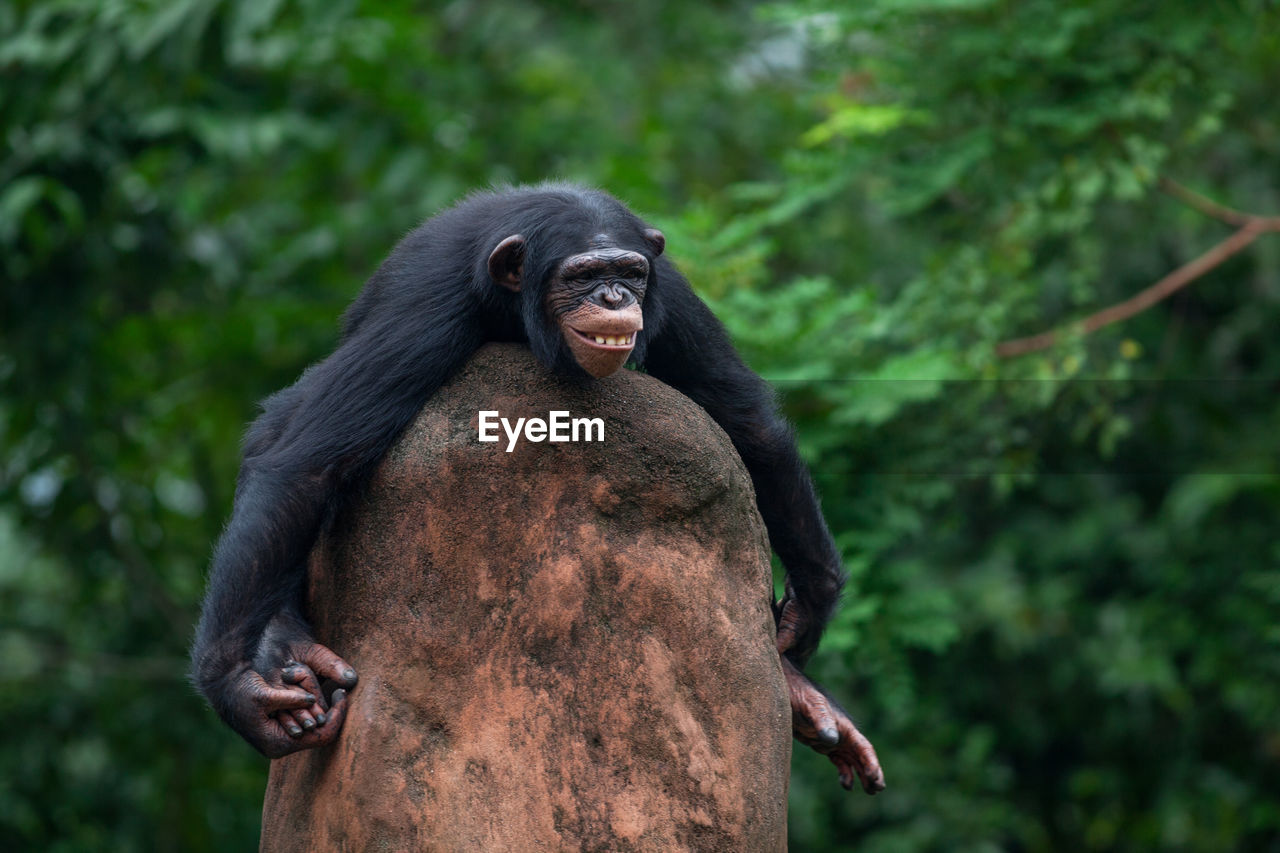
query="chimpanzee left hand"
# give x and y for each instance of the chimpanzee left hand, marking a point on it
(817, 720)
(819, 723)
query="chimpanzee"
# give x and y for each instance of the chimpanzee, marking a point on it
(578, 277)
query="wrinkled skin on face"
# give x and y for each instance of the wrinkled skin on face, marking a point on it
(593, 297)
(595, 300)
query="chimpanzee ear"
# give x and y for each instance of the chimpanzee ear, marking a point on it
(506, 263)
(656, 241)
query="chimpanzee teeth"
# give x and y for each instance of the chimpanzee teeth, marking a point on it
(613, 341)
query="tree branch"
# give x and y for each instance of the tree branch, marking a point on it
(1207, 206)
(1249, 228)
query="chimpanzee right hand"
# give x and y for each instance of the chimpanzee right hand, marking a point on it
(277, 704)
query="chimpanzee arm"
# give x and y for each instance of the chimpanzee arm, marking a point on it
(692, 353)
(254, 657)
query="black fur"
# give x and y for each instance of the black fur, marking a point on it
(423, 313)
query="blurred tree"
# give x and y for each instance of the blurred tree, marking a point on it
(1065, 564)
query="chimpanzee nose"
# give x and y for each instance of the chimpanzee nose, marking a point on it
(610, 296)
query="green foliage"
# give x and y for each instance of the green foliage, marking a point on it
(1061, 625)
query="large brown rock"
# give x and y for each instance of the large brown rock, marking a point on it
(565, 647)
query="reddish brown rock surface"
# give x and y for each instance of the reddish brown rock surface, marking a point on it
(565, 647)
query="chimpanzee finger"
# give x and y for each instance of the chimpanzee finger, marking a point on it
(788, 625)
(302, 676)
(294, 672)
(271, 699)
(290, 724)
(326, 734)
(866, 762)
(338, 710)
(325, 664)
(844, 768)
(857, 754)
(304, 718)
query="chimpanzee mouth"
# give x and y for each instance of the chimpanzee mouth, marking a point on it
(625, 341)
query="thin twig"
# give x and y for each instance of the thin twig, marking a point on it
(1162, 289)
(1207, 206)
(1249, 228)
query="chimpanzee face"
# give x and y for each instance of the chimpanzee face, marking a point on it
(594, 297)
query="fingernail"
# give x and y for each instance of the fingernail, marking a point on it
(295, 731)
(320, 718)
(349, 675)
(310, 698)
(830, 737)
(308, 724)
(339, 695)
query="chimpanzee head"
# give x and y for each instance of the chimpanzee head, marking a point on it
(588, 283)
